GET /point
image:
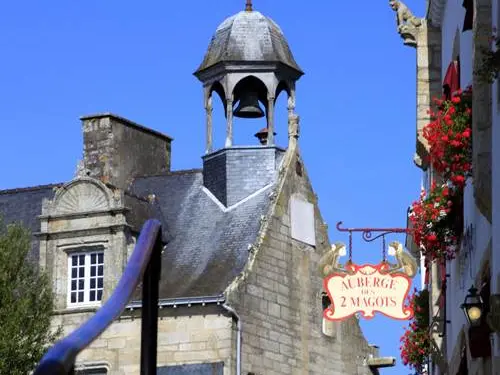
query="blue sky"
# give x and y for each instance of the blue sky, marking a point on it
(63, 59)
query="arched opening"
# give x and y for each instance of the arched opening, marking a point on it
(282, 97)
(249, 110)
(218, 115)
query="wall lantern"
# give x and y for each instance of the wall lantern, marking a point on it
(473, 307)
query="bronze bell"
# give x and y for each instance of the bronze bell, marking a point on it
(248, 106)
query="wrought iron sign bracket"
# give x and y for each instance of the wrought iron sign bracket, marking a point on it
(368, 235)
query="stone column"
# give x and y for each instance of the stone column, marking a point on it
(291, 102)
(429, 83)
(293, 130)
(481, 109)
(229, 128)
(418, 33)
(270, 120)
(208, 109)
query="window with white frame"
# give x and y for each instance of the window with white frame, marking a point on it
(85, 277)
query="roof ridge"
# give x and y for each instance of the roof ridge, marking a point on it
(172, 173)
(30, 188)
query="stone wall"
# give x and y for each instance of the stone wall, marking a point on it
(191, 338)
(278, 297)
(116, 150)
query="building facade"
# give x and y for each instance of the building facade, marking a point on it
(451, 44)
(240, 291)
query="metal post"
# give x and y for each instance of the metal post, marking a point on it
(149, 321)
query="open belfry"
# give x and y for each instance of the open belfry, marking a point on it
(240, 291)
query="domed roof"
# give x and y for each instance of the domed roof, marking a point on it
(248, 36)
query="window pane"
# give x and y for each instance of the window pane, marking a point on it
(86, 276)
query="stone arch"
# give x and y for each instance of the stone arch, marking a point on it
(218, 88)
(284, 106)
(251, 83)
(283, 86)
(81, 195)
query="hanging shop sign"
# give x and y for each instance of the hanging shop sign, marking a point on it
(370, 288)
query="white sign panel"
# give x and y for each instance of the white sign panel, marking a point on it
(302, 221)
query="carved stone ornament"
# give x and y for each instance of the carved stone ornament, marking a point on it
(407, 24)
(81, 171)
(294, 126)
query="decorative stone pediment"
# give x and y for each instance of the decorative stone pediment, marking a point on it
(82, 195)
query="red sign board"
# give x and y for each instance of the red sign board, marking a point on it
(367, 289)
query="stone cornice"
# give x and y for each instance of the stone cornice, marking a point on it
(435, 10)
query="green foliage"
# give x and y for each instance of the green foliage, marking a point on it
(26, 303)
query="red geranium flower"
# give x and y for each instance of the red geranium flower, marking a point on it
(449, 137)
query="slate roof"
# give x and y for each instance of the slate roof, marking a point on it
(207, 247)
(24, 206)
(247, 37)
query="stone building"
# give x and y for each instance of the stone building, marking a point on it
(450, 43)
(240, 291)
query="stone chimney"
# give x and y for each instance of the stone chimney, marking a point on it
(232, 174)
(116, 150)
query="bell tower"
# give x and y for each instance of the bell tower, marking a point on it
(248, 64)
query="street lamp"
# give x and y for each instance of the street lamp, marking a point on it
(473, 307)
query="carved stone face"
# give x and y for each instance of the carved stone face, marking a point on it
(394, 5)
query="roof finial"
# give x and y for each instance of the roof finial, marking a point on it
(248, 6)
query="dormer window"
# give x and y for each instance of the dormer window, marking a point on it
(85, 277)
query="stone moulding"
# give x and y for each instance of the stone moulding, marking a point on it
(435, 11)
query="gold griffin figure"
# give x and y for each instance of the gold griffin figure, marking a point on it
(406, 263)
(329, 262)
